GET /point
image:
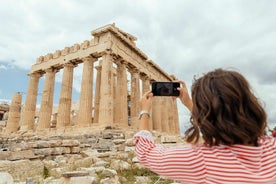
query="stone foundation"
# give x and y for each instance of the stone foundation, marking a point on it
(99, 157)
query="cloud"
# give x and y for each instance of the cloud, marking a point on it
(3, 67)
(185, 38)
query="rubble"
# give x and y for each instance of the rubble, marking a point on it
(75, 158)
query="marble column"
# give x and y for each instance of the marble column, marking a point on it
(86, 95)
(146, 88)
(106, 92)
(54, 121)
(121, 99)
(97, 94)
(171, 118)
(175, 117)
(115, 96)
(65, 99)
(28, 115)
(135, 97)
(14, 114)
(145, 84)
(164, 114)
(47, 100)
(156, 113)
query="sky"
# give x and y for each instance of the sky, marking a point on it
(184, 37)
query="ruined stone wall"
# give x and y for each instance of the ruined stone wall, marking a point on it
(101, 157)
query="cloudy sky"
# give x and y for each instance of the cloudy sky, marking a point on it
(184, 37)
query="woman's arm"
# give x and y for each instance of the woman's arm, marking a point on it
(146, 102)
(184, 96)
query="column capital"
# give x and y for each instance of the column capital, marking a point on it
(134, 70)
(52, 69)
(69, 64)
(89, 58)
(99, 67)
(35, 74)
(120, 61)
(144, 76)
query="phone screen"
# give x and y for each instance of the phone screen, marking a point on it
(165, 88)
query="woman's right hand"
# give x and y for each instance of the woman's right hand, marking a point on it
(184, 96)
(146, 101)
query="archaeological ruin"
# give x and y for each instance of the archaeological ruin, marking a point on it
(111, 99)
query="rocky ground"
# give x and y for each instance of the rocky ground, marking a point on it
(81, 156)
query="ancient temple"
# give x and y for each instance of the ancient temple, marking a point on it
(113, 54)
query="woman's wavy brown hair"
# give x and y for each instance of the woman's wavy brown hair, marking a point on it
(225, 110)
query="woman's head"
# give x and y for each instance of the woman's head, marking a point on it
(225, 110)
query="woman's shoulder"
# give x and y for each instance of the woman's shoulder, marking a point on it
(267, 141)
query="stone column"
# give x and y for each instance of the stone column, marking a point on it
(135, 97)
(145, 84)
(97, 94)
(106, 92)
(156, 113)
(115, 96)
(86, 95)
(47, 100)
(171, 114)
(28, 115)
(145, 88)
(175, 117)
(121, 99)
(54, 121)
(65, 99)
(164, 114)
(14, 114)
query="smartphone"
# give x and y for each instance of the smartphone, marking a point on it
(165, 88)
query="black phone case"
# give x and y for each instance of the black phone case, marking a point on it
(165, 88)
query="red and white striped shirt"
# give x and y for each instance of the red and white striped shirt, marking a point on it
(216, 164)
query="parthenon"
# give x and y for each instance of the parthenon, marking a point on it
(109, 100)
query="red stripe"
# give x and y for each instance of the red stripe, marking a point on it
(219, 164)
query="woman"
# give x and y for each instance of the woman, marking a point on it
(231, 121)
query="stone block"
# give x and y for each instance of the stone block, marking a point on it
(120, 147)
(22, 169)
(119, 141)
(83, 180)
(48, 57)
(135, 160)
(40, 60)
(108, 173)
(55, 143)
(129, 149)
(100, 163)
(130, 142)
(169, 139)
(6, 178)
(85, 45)
(65, 51)
(118, 136)
(19, 146)
(43, 151)
(70, 143)
(19, 155)
(42, 144)
(57, 54)
(75, 48)
(120, 165)
(75, 150)
(107, 136)
(74, 174)
(4, 155)
(89, 153)
(60, 150)
(142, 179)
